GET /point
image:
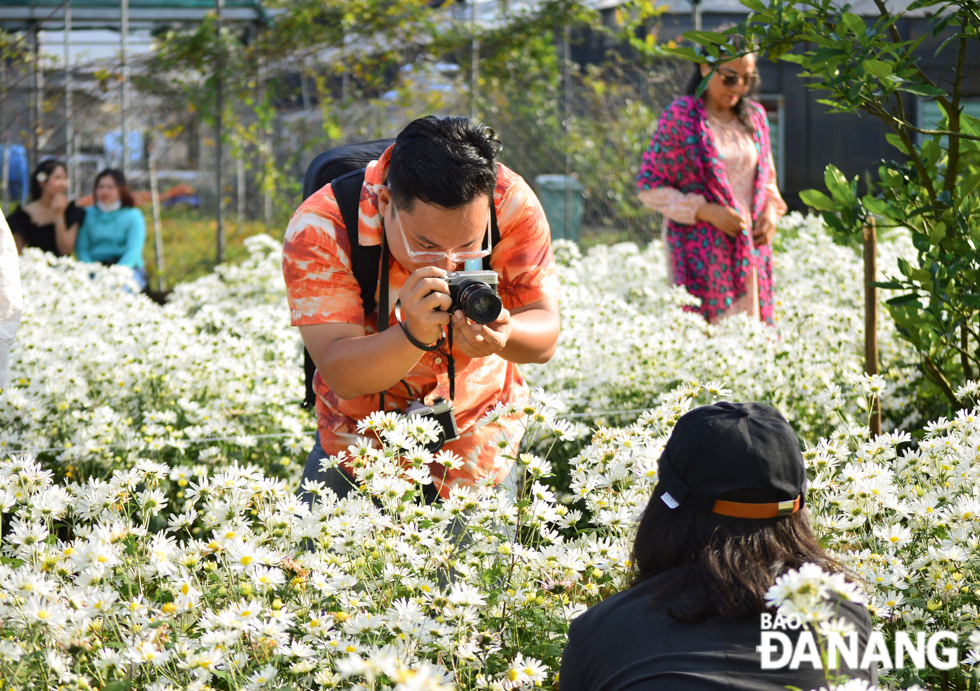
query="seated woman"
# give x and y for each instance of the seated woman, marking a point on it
(49, 221)
(726, 519)
(114, 230)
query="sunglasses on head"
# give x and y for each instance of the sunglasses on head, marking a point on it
(731, 78)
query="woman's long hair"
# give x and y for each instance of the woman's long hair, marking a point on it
(46, 167)
(125, 196)
(702, 565)
(741, 108)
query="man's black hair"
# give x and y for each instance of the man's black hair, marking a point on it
(448, 162)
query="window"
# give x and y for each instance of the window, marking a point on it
(929, 114)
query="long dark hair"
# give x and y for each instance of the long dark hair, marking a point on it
(124, 194)
(702, 565)
(47, 167)
(741, 108)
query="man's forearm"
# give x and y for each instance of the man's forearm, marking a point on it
(533, 337)
(363, 365)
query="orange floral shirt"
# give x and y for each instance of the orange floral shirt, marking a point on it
(321, 289)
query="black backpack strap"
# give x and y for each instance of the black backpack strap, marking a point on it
(494, 234)
(364, 260)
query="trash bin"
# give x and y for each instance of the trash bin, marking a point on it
(551, 192)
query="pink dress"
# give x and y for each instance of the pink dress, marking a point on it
(737, 149)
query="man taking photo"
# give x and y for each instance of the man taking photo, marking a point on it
(430, 202)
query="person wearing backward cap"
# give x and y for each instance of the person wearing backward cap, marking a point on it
(725, 520)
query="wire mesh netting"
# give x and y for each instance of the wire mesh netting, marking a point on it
(574, 129)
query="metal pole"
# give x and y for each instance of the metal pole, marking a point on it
(567, 35)
(124, 86)
(157, 225)
(475, 66)
(871, 316)
(266, 154)
(344, 80)
(37, 103)
(240, 186)
(69, 106)
(219, 107)
(77, 177)
(696, 14)
(5, 139)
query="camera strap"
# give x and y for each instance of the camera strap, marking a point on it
(383, 300)
(451, 362)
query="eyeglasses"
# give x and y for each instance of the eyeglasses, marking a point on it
(434, 257)
(731, 78)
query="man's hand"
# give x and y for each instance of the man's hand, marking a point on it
(728, 221)
(425, 304)
(481, 340)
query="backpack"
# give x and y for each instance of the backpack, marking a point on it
(343, 168)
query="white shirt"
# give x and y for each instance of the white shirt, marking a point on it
(11, 297)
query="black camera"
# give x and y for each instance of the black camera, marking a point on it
(441, 411)
(475, 293)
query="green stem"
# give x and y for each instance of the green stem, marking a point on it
(965, 352)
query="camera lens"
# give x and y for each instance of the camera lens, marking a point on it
(436, 446)
(479, 302)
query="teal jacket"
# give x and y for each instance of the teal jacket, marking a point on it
(117, 236)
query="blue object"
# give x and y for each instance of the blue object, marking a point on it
(19, 171)
(112, 142)
(473, 265)
(190, 200)
(116, 237)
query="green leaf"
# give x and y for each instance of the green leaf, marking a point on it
(837, 184)
(818, 200)
(931, 152)
(968, 125)
(754, 5)
(834, 223)
(879, 207)
(854, 23)
(777, 50)
(922, 89)
(121, 685)
(897, 142)
(706, 38)
(887, 285)
(908, 299)
(877, 68)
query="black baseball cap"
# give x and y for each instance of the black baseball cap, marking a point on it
(726, 447)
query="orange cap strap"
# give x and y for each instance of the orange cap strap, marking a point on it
(739, 510)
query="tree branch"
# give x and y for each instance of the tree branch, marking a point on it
(953, 152)
(897, 38)
(896, 124)
(965, 353)
(941, 381)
